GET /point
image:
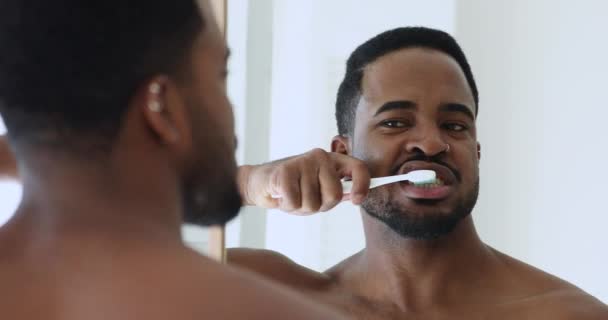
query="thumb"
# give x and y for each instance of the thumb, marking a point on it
(357, 170)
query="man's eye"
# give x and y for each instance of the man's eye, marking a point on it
(455, 127)
(394, 124)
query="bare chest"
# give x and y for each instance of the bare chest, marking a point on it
(361, 308)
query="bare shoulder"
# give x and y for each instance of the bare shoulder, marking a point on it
(547, 296)
(577, 304)
(278, 267)
(224, 292)
(566, 304)
(145, 284)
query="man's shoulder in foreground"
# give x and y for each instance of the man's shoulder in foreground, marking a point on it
(256, 297)
(147, 284)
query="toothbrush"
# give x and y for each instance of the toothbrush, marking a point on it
(417, 177)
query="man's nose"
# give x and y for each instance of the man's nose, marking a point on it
(427, 140)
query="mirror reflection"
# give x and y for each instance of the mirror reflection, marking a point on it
(539, 71)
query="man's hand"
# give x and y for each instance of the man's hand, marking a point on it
(307, 183)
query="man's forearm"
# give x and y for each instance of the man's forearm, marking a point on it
(8, 165)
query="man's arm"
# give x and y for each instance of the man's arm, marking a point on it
(8, 165)
(307, 183)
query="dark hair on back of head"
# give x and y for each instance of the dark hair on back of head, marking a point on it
(68, 68)
(349, 91)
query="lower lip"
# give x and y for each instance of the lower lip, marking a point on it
(434, 193)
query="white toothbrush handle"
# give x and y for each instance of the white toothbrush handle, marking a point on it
(347, 186)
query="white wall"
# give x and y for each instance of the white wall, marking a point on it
(541, 69)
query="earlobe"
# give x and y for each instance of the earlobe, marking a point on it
(154, 101)
(340, 144)
(156, 113)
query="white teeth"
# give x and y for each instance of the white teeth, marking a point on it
(437, 183)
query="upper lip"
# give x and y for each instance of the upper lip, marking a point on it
(444, 173)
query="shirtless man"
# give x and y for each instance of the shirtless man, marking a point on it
(118, 117)
(409, 101)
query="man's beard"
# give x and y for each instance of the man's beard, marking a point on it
(414, 225)
(210, 194)
(206, 203)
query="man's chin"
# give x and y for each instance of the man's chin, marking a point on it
(423, 219)
(205, 218)
(421, 208)
(215, 209)
(420, 226)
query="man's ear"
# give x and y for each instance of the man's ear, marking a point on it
(478, 151)
(341, 144)
(165, 112)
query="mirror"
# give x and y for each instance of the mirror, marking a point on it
(540, 68)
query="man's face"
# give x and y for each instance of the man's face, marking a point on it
(415, 102)
(210, 193)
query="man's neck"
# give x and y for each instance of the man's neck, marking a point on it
(66, 200)
(419, 273)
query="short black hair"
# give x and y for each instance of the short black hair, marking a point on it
(349, 91)
(68, 68)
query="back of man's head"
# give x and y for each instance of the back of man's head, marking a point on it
(349, 92)
(71, 72)
(69, 67)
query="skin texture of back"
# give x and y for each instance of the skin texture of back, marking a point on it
(136, 281)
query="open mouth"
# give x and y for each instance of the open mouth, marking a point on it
(438, 189)
(438, 182)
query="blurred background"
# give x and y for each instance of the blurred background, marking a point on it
(541, 69)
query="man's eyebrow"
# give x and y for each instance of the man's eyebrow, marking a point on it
(396, 105)
(457, 107)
